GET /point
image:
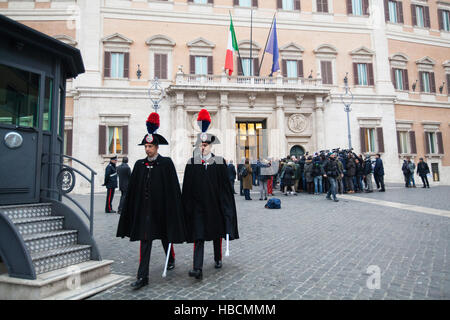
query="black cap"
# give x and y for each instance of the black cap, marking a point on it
(155, 139)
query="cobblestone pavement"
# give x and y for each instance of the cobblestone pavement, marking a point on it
(310, 249)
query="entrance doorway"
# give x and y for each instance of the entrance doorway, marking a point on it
(251, 140)
(297, 151)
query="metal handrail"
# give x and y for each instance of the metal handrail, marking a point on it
(89, 215)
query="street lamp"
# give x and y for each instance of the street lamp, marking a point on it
(156, 93)
(347, 100)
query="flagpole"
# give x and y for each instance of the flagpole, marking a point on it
(239, 53)
(267, 41)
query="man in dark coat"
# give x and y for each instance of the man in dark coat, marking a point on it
(153, 208)
(110, 183)
(232, 174)
(124, 173)
(422, 171)
(378, 172)
(208, 201)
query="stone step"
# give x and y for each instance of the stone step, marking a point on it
(50, 240)
(77, 282)
(28, 226)
(27, 210)
(49, 260)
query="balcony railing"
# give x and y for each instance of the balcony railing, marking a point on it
(220, 80)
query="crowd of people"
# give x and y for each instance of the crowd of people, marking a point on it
(325, 172)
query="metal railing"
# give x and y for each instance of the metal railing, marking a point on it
(65, 182)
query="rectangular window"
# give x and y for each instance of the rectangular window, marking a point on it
(201, 65)
(247, 65)
(362, 74)
(160, 66)
(425, 82)
(288, 4)
(19, 97)
(370, 136)
(420, 22)
(393, 11)
(399, 82)
(431, 136)
(201, 1)
(115, 140)
(404, 142)
(357, 7)
(117, 65)
(326, 72)
(445, 16)
(245, 3)
(48, 100)
(322, 5)
(292, 69)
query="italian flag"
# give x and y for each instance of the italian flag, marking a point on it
(231, 48)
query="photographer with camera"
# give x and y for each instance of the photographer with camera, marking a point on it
(332, 171)
(351, 172)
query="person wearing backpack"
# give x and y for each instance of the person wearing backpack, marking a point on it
(263, 178)
(247, 179)
(317, 172)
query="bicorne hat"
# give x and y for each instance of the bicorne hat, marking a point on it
(152, 137)
(204, 121)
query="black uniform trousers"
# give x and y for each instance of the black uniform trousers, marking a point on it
(122, 200)
(199, 249)
(109, 199)
(144, 256)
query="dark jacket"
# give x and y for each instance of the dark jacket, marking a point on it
(359, 169)
(379, 168)
(124, 173)
(317, 168)
(405, 168)
(111, 176)
(422, 168)
(239, 168)
(308, 171)
(331, 168)
(260, 175)
(231, 169)
(367, 169)
(351, 167)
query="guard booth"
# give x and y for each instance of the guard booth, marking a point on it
(40, 236)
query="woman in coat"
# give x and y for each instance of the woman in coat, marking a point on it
(288, 177)
(308, 175)
(247, 180)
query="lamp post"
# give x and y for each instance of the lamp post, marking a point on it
(156, 93)
(347, 100)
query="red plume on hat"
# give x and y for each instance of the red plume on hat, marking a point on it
(204, 120)
(152, 122)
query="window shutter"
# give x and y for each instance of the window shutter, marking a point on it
(412, 141)
(69, 142)
(370, 74)
(235, 2)
(192, 64)
(355, 73)
(210, 65)
(366, 7)
(126, 65)
(394, 79)
(400, 12)
(107, 69)
(427, 143)
(405, 80)
(125, 139)
(101, 139)
(380, 139)
(157, 66)
(422, 86)
(319, 5)
(441, 21)
(300, 68)
(211, 1)
(386, 10)
(256, 67)
(327, 75)
(284, 67)
(190, 0)
(440, 142)
(362, 136)
(279, 4)
(297, 5)
(432, 83)
(349, 7)
(399, 146)
(426, 14)
(255, 3)
(325, 5)
(164, 66)
(448, 84)
(413, 15)
(239, 67)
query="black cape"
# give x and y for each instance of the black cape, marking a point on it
(208, 201)
(160, 216)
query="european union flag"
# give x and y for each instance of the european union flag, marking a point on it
(272, 47)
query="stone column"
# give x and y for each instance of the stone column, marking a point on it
(282, 152)
(223, 125)
(319, 124)
(179, 139)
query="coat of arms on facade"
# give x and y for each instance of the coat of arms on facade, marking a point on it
(297, 123)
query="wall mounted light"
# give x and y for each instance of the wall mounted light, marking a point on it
(138, 72)
(441, 88)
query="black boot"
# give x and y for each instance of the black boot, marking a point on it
(197, 273)
(218, 264)
(171, 265)
(139, 283)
